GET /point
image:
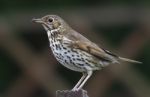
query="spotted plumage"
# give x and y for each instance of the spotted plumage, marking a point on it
(70, 57)
(74, 51)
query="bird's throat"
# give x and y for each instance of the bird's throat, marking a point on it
(53, 35)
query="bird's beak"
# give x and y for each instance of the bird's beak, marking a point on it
(37, 20)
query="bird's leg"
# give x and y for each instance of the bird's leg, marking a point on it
(79, 82)
(89, 73)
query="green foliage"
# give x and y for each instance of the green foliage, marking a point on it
(116, 34)
(144, 68)
(8, 70)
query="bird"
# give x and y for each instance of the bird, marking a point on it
(74, 51)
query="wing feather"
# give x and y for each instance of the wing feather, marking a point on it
(82, 43)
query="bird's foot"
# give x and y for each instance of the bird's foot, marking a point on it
(76, 89)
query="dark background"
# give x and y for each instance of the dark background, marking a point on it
(28, 69)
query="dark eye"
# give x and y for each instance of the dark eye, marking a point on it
(50, 20)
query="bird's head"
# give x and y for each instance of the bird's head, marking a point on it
(51, 22)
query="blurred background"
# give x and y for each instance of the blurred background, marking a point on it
(28, 69)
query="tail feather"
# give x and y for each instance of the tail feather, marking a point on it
(129, 60)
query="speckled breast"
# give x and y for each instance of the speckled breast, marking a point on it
(74, 59)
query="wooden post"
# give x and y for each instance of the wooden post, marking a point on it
(69, 93)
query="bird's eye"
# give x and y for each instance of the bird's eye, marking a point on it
(50, 20)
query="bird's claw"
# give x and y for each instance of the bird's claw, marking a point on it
(75, 89)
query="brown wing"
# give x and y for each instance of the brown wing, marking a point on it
(80, 42)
